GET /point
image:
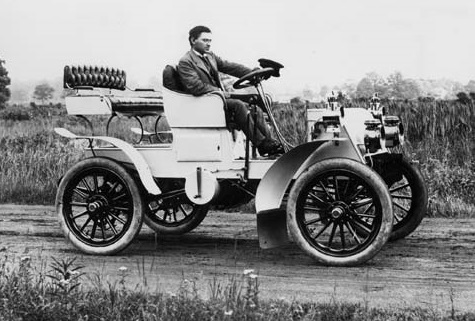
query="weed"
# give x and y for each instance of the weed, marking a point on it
(65, 276)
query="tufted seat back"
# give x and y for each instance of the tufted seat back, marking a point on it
(171, 79)
(94, 76)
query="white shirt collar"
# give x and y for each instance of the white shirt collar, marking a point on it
(205, 55)
(197, 53)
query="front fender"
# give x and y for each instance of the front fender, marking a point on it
(271, 217)
(135, 157)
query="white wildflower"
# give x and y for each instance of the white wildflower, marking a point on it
(248, 271)
(228, 313)
(123, 269)
(25, 259)
(253, 276)
(64, 282)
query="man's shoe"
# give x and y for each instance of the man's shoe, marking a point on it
(270, 147)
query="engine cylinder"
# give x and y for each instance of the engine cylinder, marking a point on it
(393, 131)
(374, 135)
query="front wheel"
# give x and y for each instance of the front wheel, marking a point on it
(339, 212)
(99, 206)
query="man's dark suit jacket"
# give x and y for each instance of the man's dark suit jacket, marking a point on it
(197, 78)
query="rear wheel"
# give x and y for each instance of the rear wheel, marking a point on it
(174, 213)
(409, 197)
(340, 212)
(99, 206)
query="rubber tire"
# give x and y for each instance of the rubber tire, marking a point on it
(418, 204)
(370, 177)
(195, 218)
(137, 214)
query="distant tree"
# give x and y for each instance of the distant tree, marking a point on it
(379, 83)
(470, 87)
(372, 83)
(395, 83)
(472, 95)
(341, 97)
(4, 82)
(463, 97)
(297, 102)
(411, 89)
(43, 92)
(401, 88)
(365, 88)
(349, 88)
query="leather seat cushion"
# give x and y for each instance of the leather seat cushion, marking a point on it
(138, 106)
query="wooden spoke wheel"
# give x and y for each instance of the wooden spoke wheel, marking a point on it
(99, 206)
(409, 196)
(173, 213)
(340, 212)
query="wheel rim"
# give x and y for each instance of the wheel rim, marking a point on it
(172, 211)
(98, 206)
(402, 198)
(338, 213)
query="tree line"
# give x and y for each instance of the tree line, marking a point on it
(396, 87)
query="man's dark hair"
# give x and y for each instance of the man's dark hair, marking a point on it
(196, 32)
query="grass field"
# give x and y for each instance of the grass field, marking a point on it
(440, 135)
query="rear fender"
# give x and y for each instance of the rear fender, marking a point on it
(271, 214)
(135, 157)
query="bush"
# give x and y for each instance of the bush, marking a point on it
(15, 113)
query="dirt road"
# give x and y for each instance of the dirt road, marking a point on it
(432, 268)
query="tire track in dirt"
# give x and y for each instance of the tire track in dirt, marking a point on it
(431, 268)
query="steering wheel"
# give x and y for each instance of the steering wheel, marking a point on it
(269, 68)
(253, 78)
(264, 63)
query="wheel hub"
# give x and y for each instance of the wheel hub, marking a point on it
(337, 212)
(96, 205)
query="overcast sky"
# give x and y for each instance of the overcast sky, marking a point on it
(318, 42)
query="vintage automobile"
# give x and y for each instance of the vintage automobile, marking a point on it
(333, 196)
(380, 138)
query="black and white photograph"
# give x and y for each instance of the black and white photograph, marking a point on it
(237, 160)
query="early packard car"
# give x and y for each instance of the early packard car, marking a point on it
(340, 196)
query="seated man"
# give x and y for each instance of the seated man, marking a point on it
(198, 70)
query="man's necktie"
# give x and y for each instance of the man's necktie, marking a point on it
(213, 72)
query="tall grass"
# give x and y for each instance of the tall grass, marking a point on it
(443, 130)
(33, 158)
(440, 134)
(32, 161)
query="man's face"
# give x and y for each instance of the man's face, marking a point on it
(202, 44)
